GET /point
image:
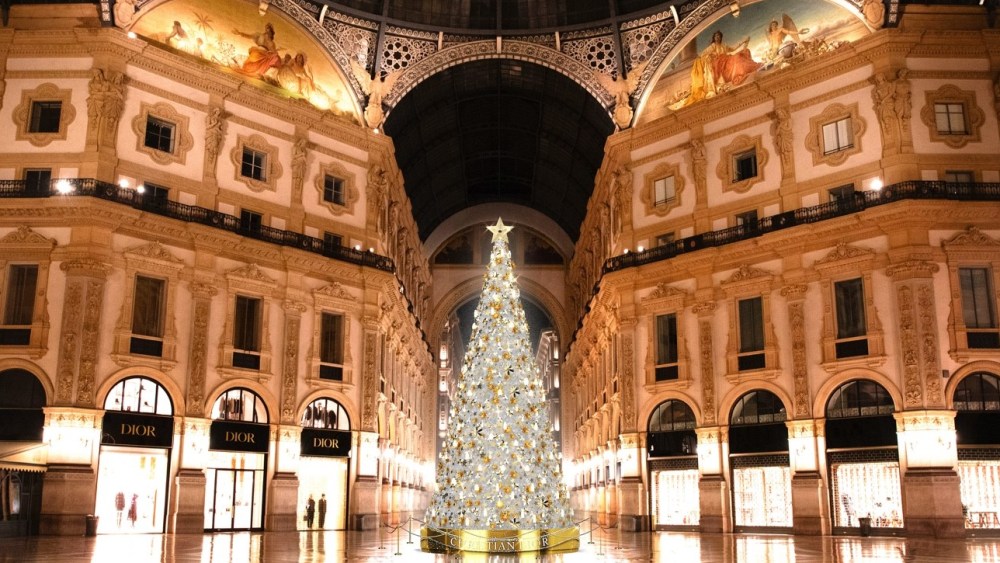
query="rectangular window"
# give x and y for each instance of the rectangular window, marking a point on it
(745, 165)
(949, 117)
(666, 347)
(38, 180)
(148, 306)
(155, 193)
(837, 136)
(45, 117)
(850, 298)
(747, 219)
(958, 177)
(250, 220)
(331, 346)
(664, 191)
(19, 306)
(751, 316)
(331, 240)
(246, 324)
(254, 165)
(664, 239)
(978, 307)
(333, 190)
(842, 194)
(159, 134)
(852, 327)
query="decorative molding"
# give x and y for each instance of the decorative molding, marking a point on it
(972, 236)
(843, 252)
(648, 196)
(351, 194)
(25, 236)
(272, 166)
(800, 371)
(909, 352)
(973, 115)
(815, 142)
(707, 370)
(747, 273)
(911, 269)
(46, 92)
(182, 139)
(726, 170)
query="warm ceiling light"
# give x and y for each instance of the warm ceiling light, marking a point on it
(64, 187)
(876, 184)
(123, 182)
(140, 188)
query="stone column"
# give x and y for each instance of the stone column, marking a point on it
(632, 492)
(932, 501)
(188, 492)
(70, 483)
(810, 499)
(713, 488)
(283, 490)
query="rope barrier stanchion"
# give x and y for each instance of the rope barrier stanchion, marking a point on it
(618, 525)
(409, 532)
(378, 530)
(396, 530)
(590, 521)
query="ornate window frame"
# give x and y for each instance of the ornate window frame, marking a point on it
(249, 281)
(846, 262)
(154, 261)
(833, 113)
(662, 170)
(351, 194)
(974, 116)
(183, 141)
(272, 167)
(665, 300)
(746, 283)
(969, 248)
(726, 170)
(46, 92)
(332, 298)
(29, 247)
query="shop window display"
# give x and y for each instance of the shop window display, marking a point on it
(867, 490)
(677, 498)
(980, 490)
(131, 490)
(763, 496)
(234, 491)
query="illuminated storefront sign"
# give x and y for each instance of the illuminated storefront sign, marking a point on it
(238, 436)
(137, 429)
(325, 443)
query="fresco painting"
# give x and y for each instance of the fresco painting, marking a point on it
(764, 37)
(231, 34)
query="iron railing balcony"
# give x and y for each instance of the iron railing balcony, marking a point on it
(147, 202)
(916, 189)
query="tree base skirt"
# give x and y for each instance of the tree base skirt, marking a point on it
(448, 540)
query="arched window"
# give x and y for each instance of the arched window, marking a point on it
(20, 389)
(859, 398)
(139, 394)
(22, 399)
(978, 392)
(671, 415)
(758, 407)
(326, 414)
(240, 404)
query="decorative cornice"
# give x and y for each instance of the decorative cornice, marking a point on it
(911, 268)
(334, 290)
(250, 272)
(747, 272)
(972, 236)
(154, 251)
(24, 235)
(844, 251)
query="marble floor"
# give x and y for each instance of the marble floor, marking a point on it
(308, 547)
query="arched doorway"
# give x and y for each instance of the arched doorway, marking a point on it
(671, 451)
(977, 423)
(758, 458)
(237, 460)
(22, 400)
(862, 457)
(323, 465)
(134, 463)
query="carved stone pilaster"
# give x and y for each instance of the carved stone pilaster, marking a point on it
(627, 383)
(290, 369)
(105, 105)
(795, 294)
(79, 340)
(369, 392)
(908, 346)
(198, 366)
(930, 360)
(705, 310)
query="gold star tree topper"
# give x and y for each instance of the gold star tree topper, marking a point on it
(499, 230)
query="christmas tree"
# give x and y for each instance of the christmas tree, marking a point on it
(499, 476)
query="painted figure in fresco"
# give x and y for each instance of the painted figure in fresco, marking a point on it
(720, 67)
(263, 54)
(776, 34)
(293, 75)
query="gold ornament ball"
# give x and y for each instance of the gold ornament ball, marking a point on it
(499, 504)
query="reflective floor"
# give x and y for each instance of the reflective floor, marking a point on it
(368, 546)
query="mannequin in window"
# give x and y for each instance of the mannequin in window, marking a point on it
(119, 506)
(310, 511)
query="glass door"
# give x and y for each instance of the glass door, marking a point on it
(237, 499)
